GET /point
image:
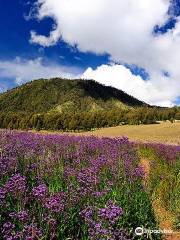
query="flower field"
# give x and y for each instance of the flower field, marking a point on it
(72, 187)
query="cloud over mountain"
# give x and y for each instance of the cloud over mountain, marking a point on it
(123, 29)
(122, 78)
(23, 70)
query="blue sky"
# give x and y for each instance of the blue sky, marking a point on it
(37, 40)
(15, 34)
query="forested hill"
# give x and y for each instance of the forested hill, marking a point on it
(68, 105)
(42, 96)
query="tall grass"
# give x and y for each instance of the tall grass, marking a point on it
(164, 178)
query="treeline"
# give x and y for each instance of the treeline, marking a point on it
(84, 121)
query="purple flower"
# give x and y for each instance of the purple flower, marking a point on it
(138, 172)
(12, 214)
(55, 203)
(40, 192)
(7, 229)
(88, 180)
(2, 195)
(99, 193)
(8, 226)
(111, 212)
(87, 214)
(32, 232)
(16, 185)
(22, 216)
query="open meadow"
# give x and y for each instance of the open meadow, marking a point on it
(164, 132)
(56, 186)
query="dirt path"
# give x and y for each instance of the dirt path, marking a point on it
(164, 217)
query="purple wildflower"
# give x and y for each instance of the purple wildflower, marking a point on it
(99, 193)
(2, 195)
(32, 232)
(16, 185)
(22, 216)
(138, 172)
(111, 212)
(87, 214)
(87, 180)
(40, 192)
(55, 203)
(7, 229)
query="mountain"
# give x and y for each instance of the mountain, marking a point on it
(75, 105)
(62, 95)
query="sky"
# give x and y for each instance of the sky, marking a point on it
(133, 45)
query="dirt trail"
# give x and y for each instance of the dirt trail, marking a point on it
(164, 217)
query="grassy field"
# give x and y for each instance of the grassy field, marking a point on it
(164, 132)
(109, 185)
(162, 182)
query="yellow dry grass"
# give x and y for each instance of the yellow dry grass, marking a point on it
(164, 132)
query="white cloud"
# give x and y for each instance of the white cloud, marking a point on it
(45, 41)
(3, 87)
(122, 78)
(23, 70)
(123, 29)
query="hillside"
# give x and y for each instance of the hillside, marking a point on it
(74, 105)
(42, 96)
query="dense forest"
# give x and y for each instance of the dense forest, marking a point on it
(82, 121)
(75, 105)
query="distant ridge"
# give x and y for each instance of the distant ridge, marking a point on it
(58, 95)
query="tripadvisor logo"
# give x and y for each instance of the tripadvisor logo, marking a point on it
(139, 231)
